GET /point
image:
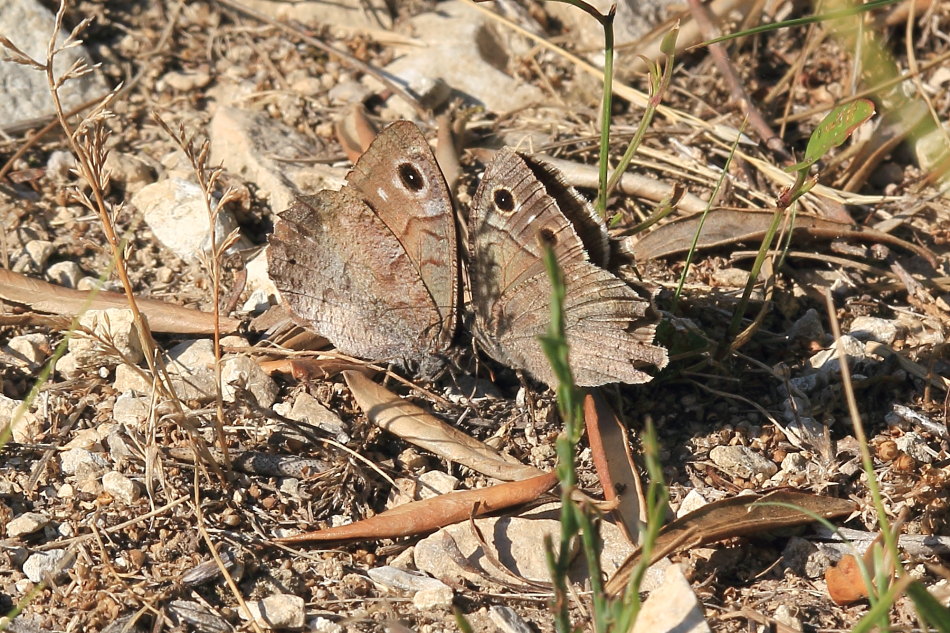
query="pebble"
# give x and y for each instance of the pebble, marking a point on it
(507, 620)
(252, 144)
(515, 541)
(32, 349)
(66, 274)
(176, 212)
(672, 607)
(113, 325)
(32, 258)
(26, 94)
(462, 51)
(434, 483)
(427, 592)
(26, 425)
(804, 558)
(129, 170)
(916, 446)
(279, 611)
(866, 328)
(50, 563)
(27, 523)
(826, 361)
(320, 624)
(78, 460)
(308, 410)
(743, 462)
(130, 409)
(243, 373)
(121, 487)
(692, 501)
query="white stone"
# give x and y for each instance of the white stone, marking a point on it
(257, 302)
(32, 349)
(130, 409)
(130, 170)
(243, 373)
(26, 523)
(121, 487)
(176, 212)
(53, 562)
(74, 461)
(826, 361)
(433, 483)
(279, 611)
(866, 328)
(65, 274)
(516, 541)
(114, 326)
(251, 144)
(742, 461)
(507, 620)
(461, 49)
(427, 592)
(308, 410)
(323, 625)
(692, 501)
(25, 424)
(672, 607)
(32, 258)
(25, 91)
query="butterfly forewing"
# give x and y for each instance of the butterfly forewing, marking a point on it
(609, 325)
(373, 267)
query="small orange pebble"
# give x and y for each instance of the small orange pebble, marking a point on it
(845, 584)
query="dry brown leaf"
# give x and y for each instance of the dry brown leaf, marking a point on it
(728, 226)
(427, 515)
(162, 317)
(610, 451)
(736, 516)
(417, 426)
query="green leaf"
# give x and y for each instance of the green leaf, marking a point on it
(834, 130)
(929, 607)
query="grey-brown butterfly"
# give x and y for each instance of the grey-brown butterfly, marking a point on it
(374, 267)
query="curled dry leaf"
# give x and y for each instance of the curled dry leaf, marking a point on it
(610, 450)
(728, 226)
(430, 514)
(416, 426)
(162, 317)
(736, 516)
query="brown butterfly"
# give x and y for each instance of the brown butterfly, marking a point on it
(374, 267)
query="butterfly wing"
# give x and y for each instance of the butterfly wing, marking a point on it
(373, 267)
(609, 325)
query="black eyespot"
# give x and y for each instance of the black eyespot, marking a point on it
(547, 237)
(411, 177)
(504, 200)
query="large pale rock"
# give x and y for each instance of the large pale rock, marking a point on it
(350, 15)
(517, 542)
(251, 144)
(463, 51)
(26, 95)
(672, 608)
(112, 327)
(176, 212)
